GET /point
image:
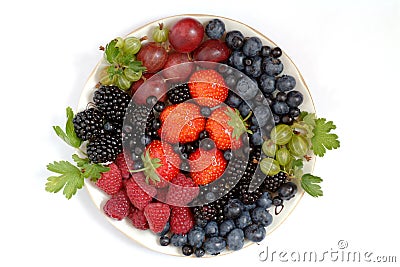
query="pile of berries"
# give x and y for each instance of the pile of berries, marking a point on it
(182, 130)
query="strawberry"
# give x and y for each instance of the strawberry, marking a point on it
(161, 163)
(181, 220)
(181, 191)
(226, 126)
(137, 194)
(206, 165)
(138, 219)
(125, 164)
(182, 123)
(117, 206)
(208, 87)
(110, 182)
(157, 215)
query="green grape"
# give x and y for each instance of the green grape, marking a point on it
(120, 42)
(122, 82)
(132, 75)
(283, 156)
(160, 34)
(269, 148)
(106, 77)
(281, 134)
(269, 166)
(298, 146)
(132, 45)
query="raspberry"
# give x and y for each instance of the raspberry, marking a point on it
(181, 220)
(124, 164)
(110, 182)
(117, 207)
(181, 191)
(138, 219)
(138, 197)
(157, 215)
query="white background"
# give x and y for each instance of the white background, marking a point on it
(347, 51)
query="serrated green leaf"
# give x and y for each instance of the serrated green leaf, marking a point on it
(60, 133)
(71, 178)
(310, 184)
(89, 170)
(80, 162)
(309, 119)
(112, 51)
(323, 139)
(70, 131)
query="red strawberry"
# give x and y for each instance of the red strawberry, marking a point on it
(125, 164)
(111, 181)
(206, 166)
(209, 87)
(160, 162)
(138, 195)
(226, 126)
(117, 206)
(138, 219)
(183, 123)
(181, 220)
(181, 191)
(157, 215)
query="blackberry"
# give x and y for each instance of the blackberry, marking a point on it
(88, 123)
(104, 148)
(179, 93)
(139, 118)
(112, 101)
(272, 183)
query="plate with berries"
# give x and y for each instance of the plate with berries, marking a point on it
(195, 135)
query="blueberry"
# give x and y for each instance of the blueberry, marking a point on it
(285, 83)
(225, 227)
(280, 108)
(287, 190)
(164, 240)
(151, 100)
(230, 80)
(234, 40)
(187, 250)
(244, 220)
(236, 60)
(252, 46)
(271, 66)
(201, 223)
(254, 69)
(276, 52)
(244, 109)
(204, 134)
(207, 144)
(256, 138)
(199, 252)
(233, 100)
(215, 29)
(165, 230)
(156, 124)
(261, 216)
(228, 154)
(265, 51)
(294, 112)
(233, 208)
(287, 119)
(178, 240)
(205, 111)
(294, 99)
(214, 245)
(277, 201)
(263, 114)
(255, 233)
(246, 88)
(196, 237)
(266, 84)
(235, 239)
(264, 201)
(159, 106)
(211, 229)
(210, 197)
(249, 207)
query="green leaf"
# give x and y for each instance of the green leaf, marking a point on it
(310, 184)
(89, 170)
(71, 178)
(69, 136)
(309, 119)
(112, 51)
(323, 139)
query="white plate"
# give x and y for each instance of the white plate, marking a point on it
(147, 238)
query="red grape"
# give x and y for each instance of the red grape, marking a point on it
(153, 56)
(139, 82)
(212, 50)
(155, 86)
(186, 35)
(178, 73)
